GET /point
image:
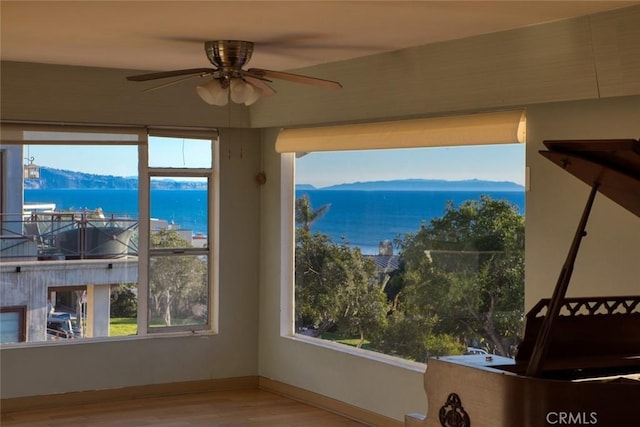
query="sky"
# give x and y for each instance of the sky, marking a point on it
(121, 160)
(492, 162)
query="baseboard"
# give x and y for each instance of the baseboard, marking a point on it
(327, 403)
(126, 393)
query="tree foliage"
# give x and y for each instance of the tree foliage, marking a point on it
(305, 215)
(466, 268)
(178, 283)
(336, 286)
(460, 283)
(124, 301)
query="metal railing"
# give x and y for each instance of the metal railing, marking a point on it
(67, 235)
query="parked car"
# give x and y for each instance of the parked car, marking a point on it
(61, 325)
(475, 350)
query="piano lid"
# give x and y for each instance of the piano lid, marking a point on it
(612, 164)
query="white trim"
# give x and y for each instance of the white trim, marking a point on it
(360, 352)
(144, 231)
(211, 175)
(214, 238)
(91, 340)
(287, 251)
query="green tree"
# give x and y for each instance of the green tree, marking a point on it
(305, 215)
(178, 283)
(463, 274)
(124, 301)
(364, 304)
(336, 286)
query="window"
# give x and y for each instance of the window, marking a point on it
(132, 211)
(413, 252)
(180, 177)
(12, 324)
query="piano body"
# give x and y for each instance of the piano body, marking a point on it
(579, 362)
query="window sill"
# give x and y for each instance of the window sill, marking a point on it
(81, 341)
(359, 352)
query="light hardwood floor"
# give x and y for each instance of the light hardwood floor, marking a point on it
(215, 408)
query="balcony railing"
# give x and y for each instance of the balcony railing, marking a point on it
(67, 235)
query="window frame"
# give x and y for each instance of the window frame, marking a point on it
(22, 320)
(17, 133)
(212, 174)
(288, 231)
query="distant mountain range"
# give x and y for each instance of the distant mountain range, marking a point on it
(51, 178)
(421, 185)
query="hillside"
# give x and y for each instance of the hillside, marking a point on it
(423, 185)
(51, 178)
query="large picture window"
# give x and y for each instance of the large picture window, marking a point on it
(413, 252)
(112, 228)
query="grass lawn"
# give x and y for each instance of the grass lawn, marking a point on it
(122, 326)
(345, 340)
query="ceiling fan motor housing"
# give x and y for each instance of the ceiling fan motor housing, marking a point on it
(229, 55)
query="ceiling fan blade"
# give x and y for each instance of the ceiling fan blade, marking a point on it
(260, 84)
(174, 73)
(171, 83)
(296, 78)
(250, 73)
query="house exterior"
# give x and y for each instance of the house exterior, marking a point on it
(31, 277)
(546, 69)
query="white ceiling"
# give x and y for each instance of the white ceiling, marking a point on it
(166, 35)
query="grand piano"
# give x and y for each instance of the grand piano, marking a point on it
(579, 361)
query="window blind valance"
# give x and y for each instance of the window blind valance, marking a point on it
(505, 127)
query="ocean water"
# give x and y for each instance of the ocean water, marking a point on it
(185, 208)
(361, 218)
(366, 218)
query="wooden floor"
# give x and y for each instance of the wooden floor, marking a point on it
(219, 408)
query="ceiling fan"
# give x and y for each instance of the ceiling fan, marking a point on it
(229, 79)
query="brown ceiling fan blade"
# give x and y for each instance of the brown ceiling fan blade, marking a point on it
(255, 75)
(260, 84)
(174, 73)
(296, 78)
(171, 83)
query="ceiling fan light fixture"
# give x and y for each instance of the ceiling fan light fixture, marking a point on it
(256, 94)
(213, 93)
(243, 92)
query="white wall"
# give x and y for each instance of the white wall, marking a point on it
(60, 93)
(607, 263)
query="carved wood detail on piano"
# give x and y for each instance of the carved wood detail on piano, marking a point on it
(603, 328)
(452, 414)
(590, 306)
